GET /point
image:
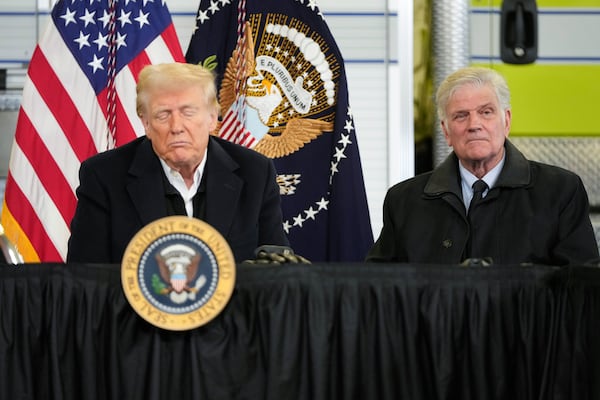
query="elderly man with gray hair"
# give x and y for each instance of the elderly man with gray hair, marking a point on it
(486, 201)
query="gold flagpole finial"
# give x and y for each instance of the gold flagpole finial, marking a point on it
(8, 250)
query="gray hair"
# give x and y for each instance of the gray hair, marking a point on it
(475, 76)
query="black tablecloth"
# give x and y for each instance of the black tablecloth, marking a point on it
(343, 331)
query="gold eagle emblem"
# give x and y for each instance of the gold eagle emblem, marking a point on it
(287, 131)
(178, 266)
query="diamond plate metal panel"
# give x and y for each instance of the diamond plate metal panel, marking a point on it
(580, 155)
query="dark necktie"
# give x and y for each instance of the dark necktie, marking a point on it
(478, 188)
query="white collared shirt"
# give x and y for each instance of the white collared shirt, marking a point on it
(175, 179)
(468, 179)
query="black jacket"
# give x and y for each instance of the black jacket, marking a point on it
(536, 213)
(122, 190)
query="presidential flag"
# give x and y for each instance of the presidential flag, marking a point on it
(283, 92)
(78, 100)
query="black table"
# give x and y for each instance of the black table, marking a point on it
(331, 331)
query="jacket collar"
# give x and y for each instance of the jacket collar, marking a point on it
(144, 185)
(446, 177)
(223, 185)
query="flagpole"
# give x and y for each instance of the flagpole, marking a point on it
(401, 148)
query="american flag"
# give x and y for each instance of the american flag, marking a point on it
(78, 100)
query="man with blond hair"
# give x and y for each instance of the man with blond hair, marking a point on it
(177, 168)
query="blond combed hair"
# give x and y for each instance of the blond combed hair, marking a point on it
(169, 75)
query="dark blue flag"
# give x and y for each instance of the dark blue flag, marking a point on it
(283, 92)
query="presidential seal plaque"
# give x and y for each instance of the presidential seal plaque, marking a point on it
(178, 273)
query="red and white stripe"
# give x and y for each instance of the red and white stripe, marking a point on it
(61, 123)
(233, 129)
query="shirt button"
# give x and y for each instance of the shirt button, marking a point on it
(447, 243)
